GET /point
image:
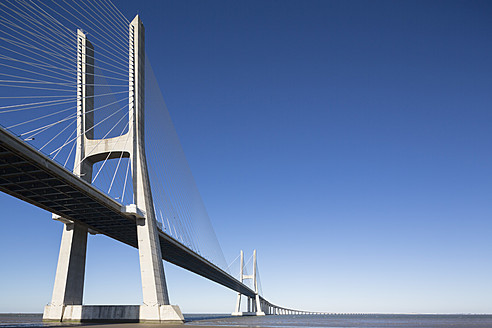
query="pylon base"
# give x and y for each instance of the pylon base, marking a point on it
(241, 314)
(113, 313)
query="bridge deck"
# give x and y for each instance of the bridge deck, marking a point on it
(27, 174)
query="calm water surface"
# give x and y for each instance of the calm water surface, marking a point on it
(286, 321)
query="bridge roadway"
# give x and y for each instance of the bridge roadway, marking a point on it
(29, 175)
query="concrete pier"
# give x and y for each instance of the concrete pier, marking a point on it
(113, 313)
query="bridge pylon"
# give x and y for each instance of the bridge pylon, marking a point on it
(66, 303)
(254, 305)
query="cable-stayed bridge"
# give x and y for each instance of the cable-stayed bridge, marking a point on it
(86, 136)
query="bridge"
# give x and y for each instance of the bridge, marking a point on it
(31, 176)
(55, 165)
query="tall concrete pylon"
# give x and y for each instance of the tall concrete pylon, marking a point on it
(66, 304)
(258, 308)
(254, 306)
(237, 311)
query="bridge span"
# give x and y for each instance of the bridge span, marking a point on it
(29, 175)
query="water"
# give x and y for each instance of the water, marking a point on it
(286, 321)
(360, 320)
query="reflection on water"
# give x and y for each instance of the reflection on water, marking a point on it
(285, 321)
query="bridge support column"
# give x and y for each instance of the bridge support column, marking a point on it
(254, 304)
(258, 308)
(237, 311)
(70, 271)
(69, 284)
(156, 305)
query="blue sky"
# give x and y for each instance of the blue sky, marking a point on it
(347, 141)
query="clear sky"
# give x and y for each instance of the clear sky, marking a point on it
(349, 142)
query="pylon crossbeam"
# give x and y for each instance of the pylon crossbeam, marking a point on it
(110, 148)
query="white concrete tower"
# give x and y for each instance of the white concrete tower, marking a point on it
(254, 306)
(258, 309)
(237, 311)
(68, 288)
(69, 282)
(155, 298)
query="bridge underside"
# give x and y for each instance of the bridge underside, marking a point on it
(35, 178)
